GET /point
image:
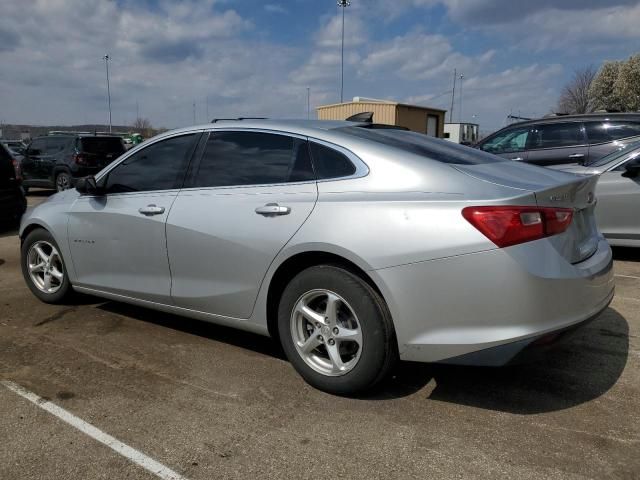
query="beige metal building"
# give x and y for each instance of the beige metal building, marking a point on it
(414, 117)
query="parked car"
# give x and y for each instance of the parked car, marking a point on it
(351, 243)
(16, 147)
(55, 161)
(618, 193)
(568, 139)
(12, 201)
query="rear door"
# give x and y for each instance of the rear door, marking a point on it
(618, 211)
(508, 143)
(249, 194)
(606, 136)
(55, 149)
(31, 161)
(557, 143)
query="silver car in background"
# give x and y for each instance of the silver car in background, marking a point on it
(618, 193)
(352, 244)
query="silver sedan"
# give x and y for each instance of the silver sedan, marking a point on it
(618, 191)
(352, 244)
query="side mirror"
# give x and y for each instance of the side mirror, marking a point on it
(88, 186)
(632, 169)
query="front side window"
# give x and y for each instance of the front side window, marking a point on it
(601, 132)
(556, 135)
(160, 166)
(509, 141)
(253, 158)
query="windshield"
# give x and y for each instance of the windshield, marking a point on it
(623, 151)
(102, 145)
(420, 144)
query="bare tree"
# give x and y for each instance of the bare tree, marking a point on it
(143, 126)
(575, 96)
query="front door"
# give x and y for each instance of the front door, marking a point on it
(31, 161)
(557, 143)
(249, 195)
(117, 240)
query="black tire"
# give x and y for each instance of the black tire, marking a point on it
(63, 181)
(379, 351)
(64, 292)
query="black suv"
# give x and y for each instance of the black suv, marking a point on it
(564, 139)
(55, 161)
(12, 201)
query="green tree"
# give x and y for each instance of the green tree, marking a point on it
(602, 91)
(627, 84)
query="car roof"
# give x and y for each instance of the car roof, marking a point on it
(585, 117)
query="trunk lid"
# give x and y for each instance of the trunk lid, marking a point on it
(551, 188)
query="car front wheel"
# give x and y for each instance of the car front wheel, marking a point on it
(43, 267)
(336, 330)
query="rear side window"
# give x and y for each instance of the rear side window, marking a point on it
(253, 158)
(56, 144)
(160, 166)
(424, 146)
(601, 132)
(556, 135)
(101, 145)
(37, 147)
(329, 163)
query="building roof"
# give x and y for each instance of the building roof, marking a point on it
(374, 101)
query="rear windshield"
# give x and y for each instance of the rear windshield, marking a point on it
(102, 145)
(419, 144)
(616, 155)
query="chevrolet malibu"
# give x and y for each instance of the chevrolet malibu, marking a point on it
(352, 244)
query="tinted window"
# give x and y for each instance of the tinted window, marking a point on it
(252, 158)
(507, 141)
(56, 144)
(160, 166)
(330, 163)
(101, 145)
(424, 146)
(37, 147)
(600, 132)
(616, 155)
(554, 135)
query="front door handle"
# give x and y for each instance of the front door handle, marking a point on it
(151, 210)
(517, 159)
(272, 209)
(577, 155)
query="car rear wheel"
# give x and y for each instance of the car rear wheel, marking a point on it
(63, 181)
(43, 267)
(336, 330)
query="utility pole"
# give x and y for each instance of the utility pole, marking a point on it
(453, 95)
(343, 4)
(106, 62)
(308, 104)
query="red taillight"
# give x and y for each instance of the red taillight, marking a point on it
(16, 169)
(79, 159)
(506, 225)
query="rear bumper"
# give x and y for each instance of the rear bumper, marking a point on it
(445, 310)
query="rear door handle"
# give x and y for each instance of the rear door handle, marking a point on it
(577, 155)
(151, 210)
(272, 209)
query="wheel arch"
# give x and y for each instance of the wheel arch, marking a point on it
(298, 262)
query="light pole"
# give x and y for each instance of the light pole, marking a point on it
(460, 114)
(343, 4)
(453, 95)
(106, 63)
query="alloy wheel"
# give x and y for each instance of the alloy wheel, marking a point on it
(45, 267)
(63, 182)
(326, 332)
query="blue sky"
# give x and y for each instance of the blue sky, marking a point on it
(251, 58)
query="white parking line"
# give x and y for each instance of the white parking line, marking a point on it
(627, 276)
(126, 451)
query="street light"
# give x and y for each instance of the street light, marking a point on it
(343, 4)
(460, 114)
(106, 63)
